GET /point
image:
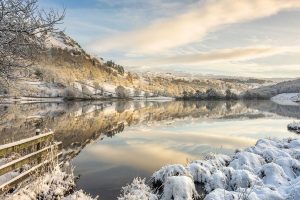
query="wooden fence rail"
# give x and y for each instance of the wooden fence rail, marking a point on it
(18, 147)
(41, 146)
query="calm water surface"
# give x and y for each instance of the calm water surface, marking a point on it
(110, 143)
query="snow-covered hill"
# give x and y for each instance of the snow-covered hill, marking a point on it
(267, 92)
(67, 71)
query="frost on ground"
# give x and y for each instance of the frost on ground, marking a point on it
(268, 170)
(295, 127)
(52, 185)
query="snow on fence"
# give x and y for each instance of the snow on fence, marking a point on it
(33, 151)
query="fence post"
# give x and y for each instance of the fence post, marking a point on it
(38, 146)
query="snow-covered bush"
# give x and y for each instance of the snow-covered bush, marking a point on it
(51, 186)
(161, 175)
(248, 161)
(137, 190)
(179, 188)
(78, 195)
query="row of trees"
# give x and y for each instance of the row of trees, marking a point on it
(115, 66)
(209, 94)
(122, 92)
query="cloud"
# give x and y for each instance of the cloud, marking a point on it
(250, 61)
(217, 56)
(223, 55)
(192, 26)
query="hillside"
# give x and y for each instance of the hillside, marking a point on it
(65, 70)
(267, 92)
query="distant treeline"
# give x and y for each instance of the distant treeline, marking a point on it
(212, 94)
(209, 94)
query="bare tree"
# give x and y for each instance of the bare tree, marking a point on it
(137, 92)
(24, 29)
(121, 92)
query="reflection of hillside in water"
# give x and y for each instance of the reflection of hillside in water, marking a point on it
(78, 123)
(269, 106)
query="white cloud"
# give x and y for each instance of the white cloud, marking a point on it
(192, 26)
(217, 56)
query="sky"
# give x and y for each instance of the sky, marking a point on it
(250, 38)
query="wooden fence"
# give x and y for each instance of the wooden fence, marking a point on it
(35, 151)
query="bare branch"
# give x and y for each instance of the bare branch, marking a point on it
(24, 29)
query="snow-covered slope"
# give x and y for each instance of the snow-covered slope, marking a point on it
(61, 40)
(267, 92)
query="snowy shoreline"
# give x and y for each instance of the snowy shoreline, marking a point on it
(24, 100)
(268, 170)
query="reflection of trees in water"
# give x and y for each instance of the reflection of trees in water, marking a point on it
(137, 105)
(3, 112)
(230, 104)
(120, 128)
(121, 106)
(94, 120)
(212, 105)
(269, 106)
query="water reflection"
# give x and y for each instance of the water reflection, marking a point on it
(112, 142)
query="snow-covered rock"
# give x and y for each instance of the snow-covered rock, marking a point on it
(295, 126)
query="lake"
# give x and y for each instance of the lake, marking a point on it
(110, 143)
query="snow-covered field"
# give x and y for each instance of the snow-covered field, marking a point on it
(268, 170)
(290, 99)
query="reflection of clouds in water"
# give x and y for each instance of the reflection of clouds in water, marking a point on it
(148, 157)
(150, 149)
(196, 138)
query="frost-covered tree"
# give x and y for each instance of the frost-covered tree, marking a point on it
(121, 92)
(137, 92)
(229, 95)
(24, 28)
